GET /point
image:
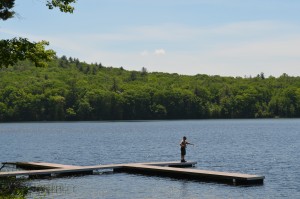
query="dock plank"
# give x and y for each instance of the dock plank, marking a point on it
(52, 168)
(74, 169)
(169, 169)
(196, 174)
(170, 164)
(40, 165)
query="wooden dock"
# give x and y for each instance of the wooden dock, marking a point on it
(39, 165)
(193, 174)
(45, 169)
(168, 169)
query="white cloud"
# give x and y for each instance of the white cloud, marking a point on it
(159, 52)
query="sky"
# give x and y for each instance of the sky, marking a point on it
(213, 37)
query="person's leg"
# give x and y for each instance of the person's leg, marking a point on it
(182, 159)
(183, 152)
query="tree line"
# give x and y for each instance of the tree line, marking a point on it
(71, 90)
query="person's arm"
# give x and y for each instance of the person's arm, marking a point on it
(189, 143)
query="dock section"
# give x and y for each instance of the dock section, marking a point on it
(45, 169)
(39, 165)
(59, 171)
(193, 174)
(168, 169)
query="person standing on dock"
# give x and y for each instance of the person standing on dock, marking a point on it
(183, 145)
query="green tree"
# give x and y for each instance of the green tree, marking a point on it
(100, 103)
(115, 85)
(3, 109)
(84, 110)
(70, 114)
(144, 72)
(57, 108)
(136, 104)
(158, 111)
(285, 103)
(63, 5)
(6, 7)
(18, 49)
(227, 107)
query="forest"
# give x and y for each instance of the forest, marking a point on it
(71, 90)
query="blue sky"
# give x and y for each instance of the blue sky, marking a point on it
(214, 37)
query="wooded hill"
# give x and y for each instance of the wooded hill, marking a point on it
(72, 90)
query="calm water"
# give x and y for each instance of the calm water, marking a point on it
(265, 147)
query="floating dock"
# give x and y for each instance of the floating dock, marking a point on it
(193, 174)
(167, 169)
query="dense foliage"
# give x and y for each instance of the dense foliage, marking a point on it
(72, 90)
(16, 49)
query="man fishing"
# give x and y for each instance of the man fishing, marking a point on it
(183, 145)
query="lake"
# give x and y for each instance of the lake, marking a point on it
(269, 147)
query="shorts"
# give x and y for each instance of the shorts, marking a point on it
(183, 152)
